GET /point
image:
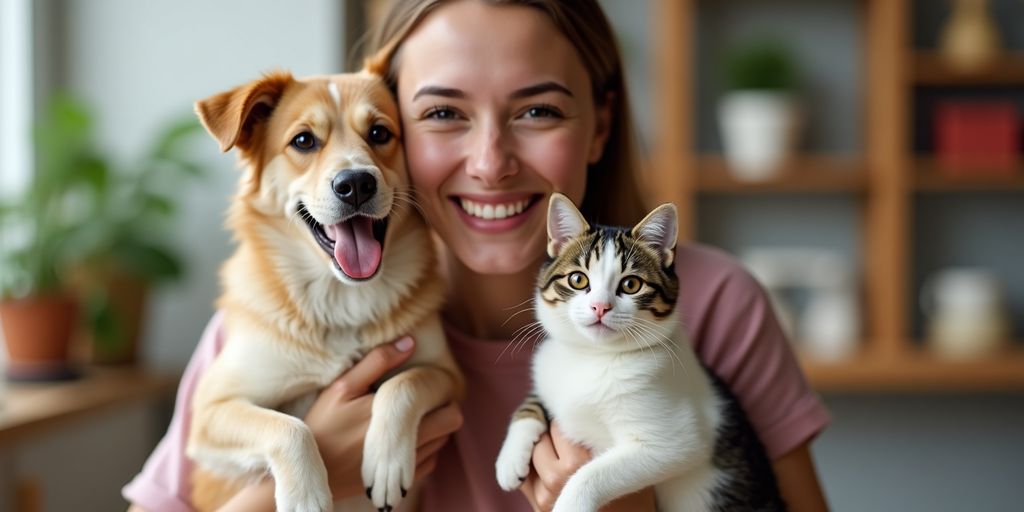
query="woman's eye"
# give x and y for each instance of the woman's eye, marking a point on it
(578, 280)
(542, 111)
(441, 113)
(380, 134)
(630, 285)
(304, 142)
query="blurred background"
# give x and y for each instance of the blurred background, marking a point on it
(862, 157)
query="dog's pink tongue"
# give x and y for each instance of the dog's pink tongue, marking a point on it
(355, 249)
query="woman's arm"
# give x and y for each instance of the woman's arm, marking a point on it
(338, 420)
(798, 480)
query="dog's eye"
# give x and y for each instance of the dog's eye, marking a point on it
(379, 134)
(304, 141)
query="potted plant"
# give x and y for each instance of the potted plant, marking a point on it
(86, 240)
(38, 309)
(758, 114)
(127, 240)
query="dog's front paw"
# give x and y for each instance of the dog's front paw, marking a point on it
(304, 497)
(300, 478)
(513, 462)
(389, 464)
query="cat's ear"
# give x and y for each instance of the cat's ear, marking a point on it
(659, 230)
(565, 222)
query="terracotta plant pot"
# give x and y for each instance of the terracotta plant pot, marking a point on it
(37, 333)
(128, 299)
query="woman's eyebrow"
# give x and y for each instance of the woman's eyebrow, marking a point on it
(435, 90)
(540, 88)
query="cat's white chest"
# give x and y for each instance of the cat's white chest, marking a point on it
(584, 393)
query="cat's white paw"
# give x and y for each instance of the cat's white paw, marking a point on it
(575, 498)
(389, 465)
(513, 462)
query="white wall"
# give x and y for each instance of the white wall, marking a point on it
(140, 63)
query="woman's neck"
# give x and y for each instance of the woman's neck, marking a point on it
(488, 306)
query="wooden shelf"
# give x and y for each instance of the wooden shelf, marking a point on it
(929, 177)
(29, 409)
(916, 370)
(931, 69)
(814, 173)
(885, 172)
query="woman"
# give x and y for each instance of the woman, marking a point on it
(503, 102)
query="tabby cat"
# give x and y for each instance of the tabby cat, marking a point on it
(617, 372)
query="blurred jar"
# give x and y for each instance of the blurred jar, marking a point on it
(970, 40)
(966, 313)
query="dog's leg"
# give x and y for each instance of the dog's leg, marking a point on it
(389, 452)
(241, 434)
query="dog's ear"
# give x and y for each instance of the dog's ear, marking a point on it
(232, 116)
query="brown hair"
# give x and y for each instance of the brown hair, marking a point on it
(612, 193)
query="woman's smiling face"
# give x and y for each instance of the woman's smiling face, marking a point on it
(498, 113)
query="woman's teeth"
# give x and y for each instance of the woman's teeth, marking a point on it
(493, 211)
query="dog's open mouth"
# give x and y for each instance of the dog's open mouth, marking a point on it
(355, 245)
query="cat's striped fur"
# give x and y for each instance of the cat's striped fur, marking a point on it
(617, 372)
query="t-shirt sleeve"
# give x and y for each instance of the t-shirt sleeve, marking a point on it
(736, 334)
(163, 485)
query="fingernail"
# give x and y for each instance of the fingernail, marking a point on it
(404, 344)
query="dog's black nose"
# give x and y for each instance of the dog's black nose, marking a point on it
(354, 187)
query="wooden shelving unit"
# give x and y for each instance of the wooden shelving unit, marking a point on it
(916, 370)
(930, 69)
(886, 175)
(929, 177)
(808, 174)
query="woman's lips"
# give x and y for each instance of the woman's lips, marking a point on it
(495, 214)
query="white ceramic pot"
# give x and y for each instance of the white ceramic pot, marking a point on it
(758, 132)
(967, 316)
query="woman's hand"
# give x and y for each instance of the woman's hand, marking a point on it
(340, 415)
(555, 459)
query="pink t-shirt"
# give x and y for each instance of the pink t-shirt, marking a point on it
(732, 329)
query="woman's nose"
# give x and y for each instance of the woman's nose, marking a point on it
(490, 159)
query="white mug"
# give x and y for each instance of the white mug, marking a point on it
(966, 313)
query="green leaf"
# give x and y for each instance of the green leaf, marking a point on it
(168, 141)
(158, 204)
(102, 318)
(765, 64)
(147, 260)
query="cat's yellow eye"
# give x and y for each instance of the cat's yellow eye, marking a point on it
(630, 285)
(578, 280)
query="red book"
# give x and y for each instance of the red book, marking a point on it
(977, 137)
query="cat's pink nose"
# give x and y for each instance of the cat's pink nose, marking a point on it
(600, 309)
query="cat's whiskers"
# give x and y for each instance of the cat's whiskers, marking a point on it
(660, 339)
(637, 337)
(520, 337)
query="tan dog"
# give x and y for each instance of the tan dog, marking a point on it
(332, 261)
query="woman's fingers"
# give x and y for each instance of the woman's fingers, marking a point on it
(440, 422)
(425, 451)
(539, 496)
(555, 459)
(426, 467)
(571, 455)
(546, 464)
(379, 361)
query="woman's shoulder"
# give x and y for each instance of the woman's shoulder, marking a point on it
(715, 290)
(701, 266)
